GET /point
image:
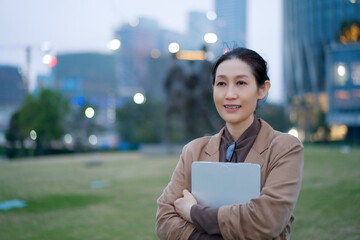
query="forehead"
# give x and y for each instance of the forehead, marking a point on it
(233, 66)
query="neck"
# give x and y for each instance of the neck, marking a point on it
(237, 130)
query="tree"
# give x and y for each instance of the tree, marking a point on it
(14, 136)
(81, 127)
(275, 115)
(140, 123)
(44, 114)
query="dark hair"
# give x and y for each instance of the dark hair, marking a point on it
(253, 59)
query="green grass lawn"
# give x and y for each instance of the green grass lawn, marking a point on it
(61, 204)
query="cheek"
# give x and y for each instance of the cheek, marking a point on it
(217, 99)
(215, 96)
(251, 99)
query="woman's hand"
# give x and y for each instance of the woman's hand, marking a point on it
(183, 205)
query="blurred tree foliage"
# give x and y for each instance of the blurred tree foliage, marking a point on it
(275, 115)
(81, 127)
(141, 123)
(44, 113)
(15, 136)
(144, 123)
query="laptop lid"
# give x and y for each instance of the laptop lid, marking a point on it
(216, 184)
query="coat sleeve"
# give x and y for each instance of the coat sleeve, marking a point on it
(267, 216)
(169, 225)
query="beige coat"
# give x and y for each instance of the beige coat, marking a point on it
(269, 216)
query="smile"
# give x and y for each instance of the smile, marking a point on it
(232, 106)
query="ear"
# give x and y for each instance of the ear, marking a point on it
(264, 89)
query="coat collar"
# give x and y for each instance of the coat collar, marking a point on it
(261, 144)
(213, 145)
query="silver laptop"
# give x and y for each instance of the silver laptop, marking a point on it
(216, 184)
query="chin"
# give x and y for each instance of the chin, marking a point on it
(235, 120)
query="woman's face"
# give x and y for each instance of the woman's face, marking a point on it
(236, 92)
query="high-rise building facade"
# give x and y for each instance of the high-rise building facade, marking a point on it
(231, 22)
(12, 95)
(143, 44)
(198, 26)
(89, 76)
(313, 30)
(12, 90)
(143, 59)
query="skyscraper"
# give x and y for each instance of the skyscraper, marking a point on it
(142, 43)
(198, 26)
(86, 75)
(231, 22)
(12, 91)
(313, 31)
(12, 94)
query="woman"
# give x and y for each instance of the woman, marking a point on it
(239, 81)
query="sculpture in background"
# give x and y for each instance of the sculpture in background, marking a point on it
(189, 110)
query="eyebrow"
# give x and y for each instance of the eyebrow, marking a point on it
(237, 76)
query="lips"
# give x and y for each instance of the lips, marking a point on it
(231, 107)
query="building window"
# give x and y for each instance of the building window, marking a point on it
(340, 74)
(342, 94)
(355, 73)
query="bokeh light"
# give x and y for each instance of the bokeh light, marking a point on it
(68, 138)
(89, 112)
(93, 139)
(174, 47)
(139, 98)
(114, 44)
(33, 135)
(211, 15)
(134, 22)
(155, 53)
(210, 38)
(46, 58)
(294, 132)
(53, 61)
(341, 70)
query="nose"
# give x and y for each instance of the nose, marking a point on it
(230, 92)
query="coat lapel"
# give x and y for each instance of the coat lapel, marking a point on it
(255, 154)
(261, 144)
(212, 148)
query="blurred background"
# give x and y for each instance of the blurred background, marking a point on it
(97, 99)
(79, 76)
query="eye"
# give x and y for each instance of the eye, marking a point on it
(240, 83)
(220, 83)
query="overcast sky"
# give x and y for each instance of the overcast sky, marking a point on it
(88, 25)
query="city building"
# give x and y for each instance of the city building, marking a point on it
(12, 91)
(198, 26)
(319, 38)
(143, 59)
(89, 76)
(140, 40)
(343, 88)
(88, 79)
(12, 95)
(231, 22)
